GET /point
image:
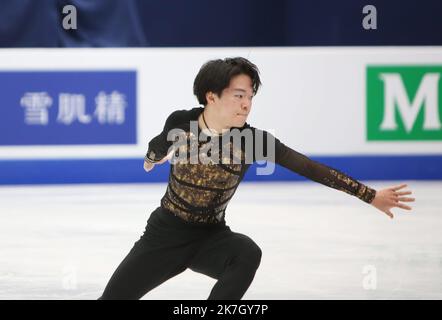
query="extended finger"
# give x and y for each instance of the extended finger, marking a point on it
(403, 193)
(388, 213)
(403, 206)
(401, 186)
(405, 199)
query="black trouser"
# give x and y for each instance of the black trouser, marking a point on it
(170, 245)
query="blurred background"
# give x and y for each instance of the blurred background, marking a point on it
(85, 85)
(199, 23)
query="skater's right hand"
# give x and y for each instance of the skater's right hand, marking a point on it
(149, 165)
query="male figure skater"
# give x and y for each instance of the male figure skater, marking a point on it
(188, 229)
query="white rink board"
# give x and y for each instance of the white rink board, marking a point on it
(313, 98)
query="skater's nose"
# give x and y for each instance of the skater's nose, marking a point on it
(246, 105)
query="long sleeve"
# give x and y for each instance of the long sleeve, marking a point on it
(313, 170)
(159, 145)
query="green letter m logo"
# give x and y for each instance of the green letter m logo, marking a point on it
(403, 103)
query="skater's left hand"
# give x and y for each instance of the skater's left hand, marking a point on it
(388, 198)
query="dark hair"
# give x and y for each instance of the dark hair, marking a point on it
(215, 76)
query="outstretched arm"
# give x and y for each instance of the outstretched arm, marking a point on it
(322, 173)
(383, 200)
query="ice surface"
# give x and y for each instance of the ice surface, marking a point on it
(64, 242)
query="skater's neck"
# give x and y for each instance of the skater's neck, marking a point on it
(210, 121)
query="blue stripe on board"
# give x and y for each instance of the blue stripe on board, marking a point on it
(131, 170)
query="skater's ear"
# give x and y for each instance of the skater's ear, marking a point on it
(210, 97)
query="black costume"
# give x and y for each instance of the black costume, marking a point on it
(188, 230)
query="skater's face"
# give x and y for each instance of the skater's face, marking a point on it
(234, 104)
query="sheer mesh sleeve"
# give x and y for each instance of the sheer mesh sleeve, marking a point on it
(313, 170)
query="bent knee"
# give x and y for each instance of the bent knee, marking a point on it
(250, 253)
(254, 256)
